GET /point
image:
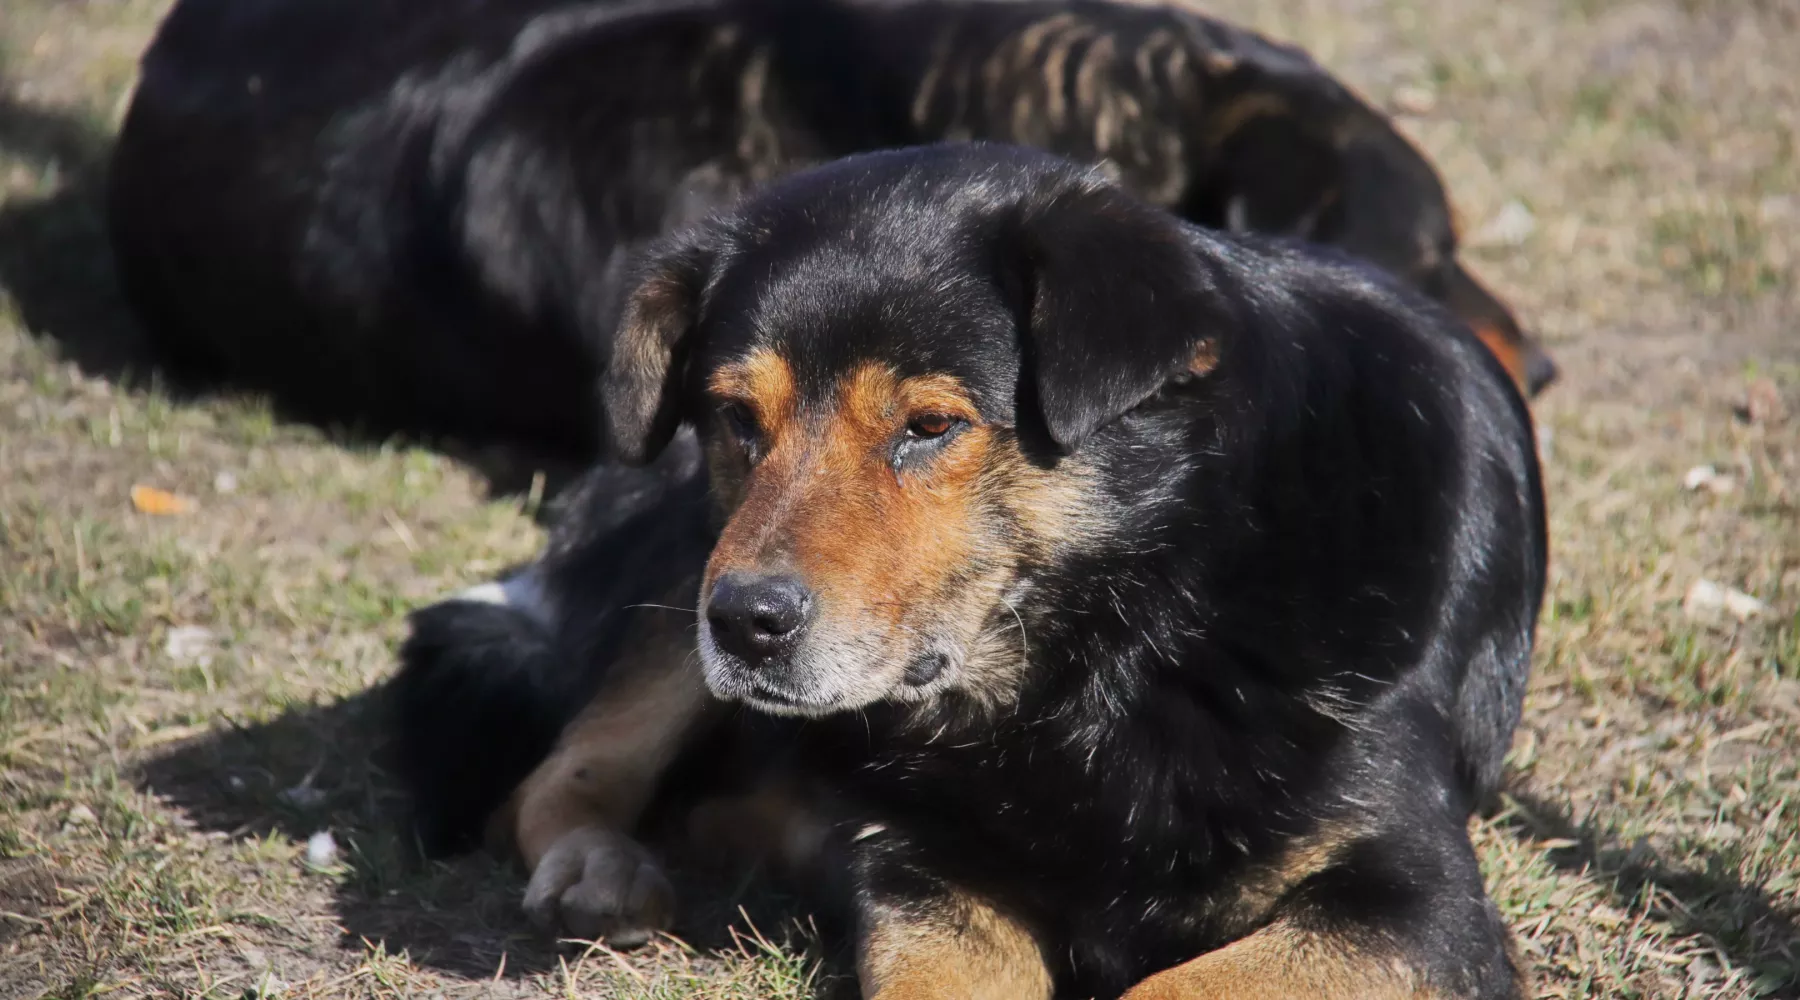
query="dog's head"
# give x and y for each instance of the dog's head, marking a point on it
(897, 362)
(1322, 166)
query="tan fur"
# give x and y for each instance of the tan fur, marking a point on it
(1164, 43)
(963, 949)
(1097, 101)
(1040, 49)
(758, 142)
(1224, 122)
(1507, 350)
(826, 497)
(940, 52)
(1205, 359)
(1284, 962)
(1056, 109)
(610, 757)
(1275, 959)
(655, 315)
(1264, 885)
(764, 383)
(896, 559)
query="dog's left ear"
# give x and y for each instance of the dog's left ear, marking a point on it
(1117, 300)
(641, 389)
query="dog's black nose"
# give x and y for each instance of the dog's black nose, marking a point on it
(756, 617)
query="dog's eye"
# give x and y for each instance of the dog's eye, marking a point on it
(741, 424)
(930, 426)
(925, 435)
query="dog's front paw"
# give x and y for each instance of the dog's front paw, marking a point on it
(600, 885)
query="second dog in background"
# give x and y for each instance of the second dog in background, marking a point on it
(405, 215)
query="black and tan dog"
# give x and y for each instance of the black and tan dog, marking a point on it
(1153, 605)
(411, 215)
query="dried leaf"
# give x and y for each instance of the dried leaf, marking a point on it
(162, 503)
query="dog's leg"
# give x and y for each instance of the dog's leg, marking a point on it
(571, 819)
(775, 823)
(953, 947)
(920, 938)
(1363, 930)
(1285, 962)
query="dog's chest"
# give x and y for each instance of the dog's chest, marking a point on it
(1115, 892)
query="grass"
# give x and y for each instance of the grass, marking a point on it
(156, 801)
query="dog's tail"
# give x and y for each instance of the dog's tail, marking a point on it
(481, 695)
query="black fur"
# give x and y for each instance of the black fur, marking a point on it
(1310, 602)
(484, 689)
(410, 215)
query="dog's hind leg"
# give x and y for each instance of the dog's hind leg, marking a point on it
(1395, 918)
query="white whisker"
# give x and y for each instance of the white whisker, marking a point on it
(1024, 640)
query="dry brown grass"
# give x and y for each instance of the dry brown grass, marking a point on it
(154, 808)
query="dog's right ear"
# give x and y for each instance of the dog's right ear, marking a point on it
(1117, 301)
(644, 382)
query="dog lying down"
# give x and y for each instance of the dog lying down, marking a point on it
(1147, 609)
(414, 216)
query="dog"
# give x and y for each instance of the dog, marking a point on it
(402, 216)
(1148, 607)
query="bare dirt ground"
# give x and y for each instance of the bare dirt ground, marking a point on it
(183, 698)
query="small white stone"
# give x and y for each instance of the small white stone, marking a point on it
(1509, 227)
(80, 816)
(1743, 605)
(1411, 99)
(1777, 208)
(321, 849)
(1703, 596)
(1708, 598)
(225, 481)
(1705, 477)
(190, 644)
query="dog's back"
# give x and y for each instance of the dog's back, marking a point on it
(410, 216)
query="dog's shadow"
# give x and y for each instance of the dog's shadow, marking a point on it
(1701, 896)
(55, 263)
(318, 770)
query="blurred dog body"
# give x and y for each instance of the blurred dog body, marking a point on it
(413, 216)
